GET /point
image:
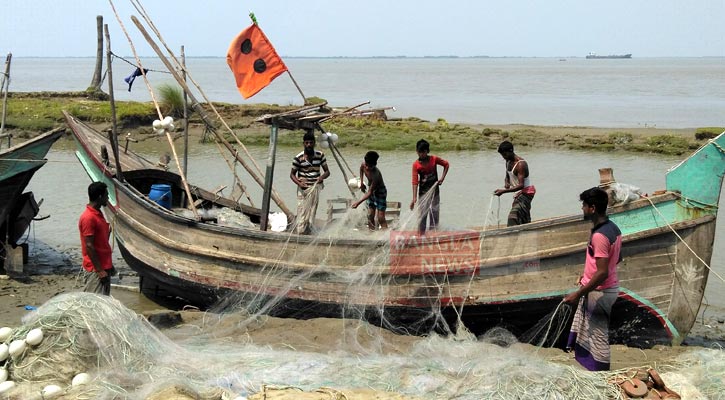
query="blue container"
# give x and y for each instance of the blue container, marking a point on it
(161, 194)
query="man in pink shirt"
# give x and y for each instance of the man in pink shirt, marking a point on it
(599, 286)
(94, 230)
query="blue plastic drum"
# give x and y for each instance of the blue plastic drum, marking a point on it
(161, 194)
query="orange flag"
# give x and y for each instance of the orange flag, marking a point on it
(253, 61)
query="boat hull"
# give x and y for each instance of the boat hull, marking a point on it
(18, 164)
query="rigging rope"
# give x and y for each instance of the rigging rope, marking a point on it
(683, 241)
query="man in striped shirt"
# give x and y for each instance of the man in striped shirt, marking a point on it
(306, 175)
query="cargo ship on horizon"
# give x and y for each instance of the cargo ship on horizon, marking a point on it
(594, 55)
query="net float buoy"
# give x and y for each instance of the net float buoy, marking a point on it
(157, 124)
(34, 337)
(634, 388)
(3, 375)
(17, 347)
(167, 121)
(5, 333)
(4, 352)
(51, 391)
(80, 379)
(7, 385)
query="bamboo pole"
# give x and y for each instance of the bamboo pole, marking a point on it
(113, 134)
(4, 88)
(197, 107)
(304, 99)
(186, 116)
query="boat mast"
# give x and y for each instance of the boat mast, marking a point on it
(113, 134)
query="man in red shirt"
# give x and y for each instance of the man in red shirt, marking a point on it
(94, 230)
(598, 286)
(425, 178)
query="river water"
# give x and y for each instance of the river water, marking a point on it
(662, 92)
(466, 196)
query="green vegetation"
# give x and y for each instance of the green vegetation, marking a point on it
(708, 133)
(171, 100)
(32, 113)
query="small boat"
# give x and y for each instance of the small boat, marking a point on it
(18, 164)
(479, 277)
(595, 56)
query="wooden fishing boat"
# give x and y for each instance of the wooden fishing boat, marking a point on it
(511, 277)
(18, 164)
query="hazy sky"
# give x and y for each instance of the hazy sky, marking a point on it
(541, 28)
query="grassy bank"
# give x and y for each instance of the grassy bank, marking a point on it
(28, 114)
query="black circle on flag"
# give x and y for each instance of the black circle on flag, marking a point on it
(246, 46)
(260, 66)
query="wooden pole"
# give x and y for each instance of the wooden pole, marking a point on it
(304, 99)
(268, 177)
(197, 107)
(96, 80)
(4, 88)
(186, 115)
(113, 134)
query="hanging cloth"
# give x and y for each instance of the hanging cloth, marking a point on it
(129, 79)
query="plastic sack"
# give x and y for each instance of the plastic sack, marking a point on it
(277, 221)
(624, 193)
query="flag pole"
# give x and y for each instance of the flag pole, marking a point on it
(304, 99)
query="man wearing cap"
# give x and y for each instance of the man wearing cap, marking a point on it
(306, 175)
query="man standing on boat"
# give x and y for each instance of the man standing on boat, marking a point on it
(599, 285)
(95, 232)
(306, 175)
(516, 180)
(426, 185)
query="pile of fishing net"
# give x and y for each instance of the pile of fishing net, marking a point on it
(92, 347)
(223, 356)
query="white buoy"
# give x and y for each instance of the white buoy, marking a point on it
(325, 144)
(3, 374)
(52, 391)
(171, 128)
(157, 124)
(166, 122)
(4, 352)
(334, 137)
(80, 379)
(34, 337)
(5, 386)
(17, 347)
(5, 333)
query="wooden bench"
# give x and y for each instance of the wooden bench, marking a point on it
(392, 212)
(337, 205)
(341, 205)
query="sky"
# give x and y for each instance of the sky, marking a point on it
(343, 28)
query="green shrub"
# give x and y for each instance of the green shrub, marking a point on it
(171, 99)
